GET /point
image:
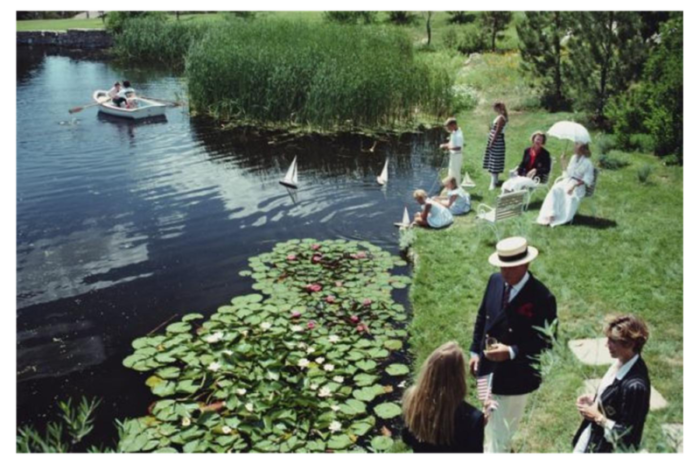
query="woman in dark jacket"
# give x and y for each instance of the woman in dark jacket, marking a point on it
(613, 418)
(437, 419)
(536, 163)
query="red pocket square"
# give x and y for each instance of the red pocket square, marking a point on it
(526, 310)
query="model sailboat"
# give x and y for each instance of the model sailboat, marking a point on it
(384, 176)
(406, 222)
(290, 180)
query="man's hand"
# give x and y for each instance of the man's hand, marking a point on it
(498, 353)
(474, 365)
(585, 400)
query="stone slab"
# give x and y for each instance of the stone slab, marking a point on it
(657, 400)
(591, 351)
(674, 435)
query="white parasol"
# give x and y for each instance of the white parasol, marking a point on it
(569, 130)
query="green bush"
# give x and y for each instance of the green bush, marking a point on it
(466, 98)
(342, 15)
(450, 39)
(605, 143)
(402, 18)
(321, 75)
(643, 173)
(473, 41)
(115, 21)
(649, 116)
(611, 163)
(461, 17)
(351, 17)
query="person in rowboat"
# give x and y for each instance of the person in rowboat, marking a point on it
(125, 96)
(114, 91)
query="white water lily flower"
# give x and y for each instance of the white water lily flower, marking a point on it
(265, 325)
(324, 392)
(215, 366)
(402, 384)
(335, 426)
(319, 361)
(310, 349)
(335, 407)
(241, 391)
(338, 379)
(215, 337)
(245, 333)
(328, 367)
(301, 345)
(249, 407)
(298, 328)
(313, 386)
(226, 429)
(186, 421)
(303, 362)
(227, 352)
(334, 339)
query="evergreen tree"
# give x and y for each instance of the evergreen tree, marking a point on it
(494, 23)
(541, 35)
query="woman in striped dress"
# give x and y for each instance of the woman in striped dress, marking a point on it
(495, 155)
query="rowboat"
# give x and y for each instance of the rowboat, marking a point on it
(145, 108)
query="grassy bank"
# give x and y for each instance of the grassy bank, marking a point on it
(627, 259)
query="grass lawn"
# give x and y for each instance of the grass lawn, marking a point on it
(58, 24)
(627, 259)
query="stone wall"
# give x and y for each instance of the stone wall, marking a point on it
(72, 38)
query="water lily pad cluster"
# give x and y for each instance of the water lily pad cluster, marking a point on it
(306, 365)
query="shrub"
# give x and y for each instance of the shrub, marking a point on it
(450, 39)
(605, 143)
(406, 238)
(116, 20)
(402, 18)
(610, 163)
(350, 17)
(460, 17)
(466, 98)
(473, 41)
(643, 173)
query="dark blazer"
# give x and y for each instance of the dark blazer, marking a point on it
(515, 326)
(626, 402)
(468, 434)
(543, 164)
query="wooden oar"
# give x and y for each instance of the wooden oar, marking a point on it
(168, 102)
(78, 109)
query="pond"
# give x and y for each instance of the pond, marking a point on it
(122, 226)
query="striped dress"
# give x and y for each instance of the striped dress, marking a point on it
(495, 157)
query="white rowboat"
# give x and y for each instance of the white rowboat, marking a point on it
(145, 109)
(290, 180)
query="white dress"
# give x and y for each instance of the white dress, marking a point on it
(462, 203)
(558, 203)
(439, 216)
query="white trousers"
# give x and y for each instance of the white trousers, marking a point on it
(455, 168)
(504, 422)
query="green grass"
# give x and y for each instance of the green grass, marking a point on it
(59, 24)
(630, 259)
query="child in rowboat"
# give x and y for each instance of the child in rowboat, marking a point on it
(126, 96)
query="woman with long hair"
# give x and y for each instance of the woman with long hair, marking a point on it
(495, 154)
(436, 416)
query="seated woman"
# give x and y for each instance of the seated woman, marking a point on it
(536, 163)
(436, 417)
(433, 213)
(455, 198)
(563, 199)
(613, 418)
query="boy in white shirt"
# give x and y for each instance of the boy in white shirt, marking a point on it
(455, 145)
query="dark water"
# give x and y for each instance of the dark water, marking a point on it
(122, 225)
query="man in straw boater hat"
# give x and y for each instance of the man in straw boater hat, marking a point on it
(506, 340)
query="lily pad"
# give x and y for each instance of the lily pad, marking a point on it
(382, 443)
(397, 369)
(387, 410)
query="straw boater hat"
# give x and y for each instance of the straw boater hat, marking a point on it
(513, 251)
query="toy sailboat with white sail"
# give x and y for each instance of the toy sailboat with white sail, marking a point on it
(384, 176)
(290, 180)
(406, 222)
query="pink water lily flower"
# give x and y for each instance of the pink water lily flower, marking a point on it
(291, 257)
(338, 283)
(313, 288)
(315, 246)
(311, 324)
(367, 302)
(361, 255)
(361, 328)
(317, 258)
(296, 314)
(355, 319)
(330, 299)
